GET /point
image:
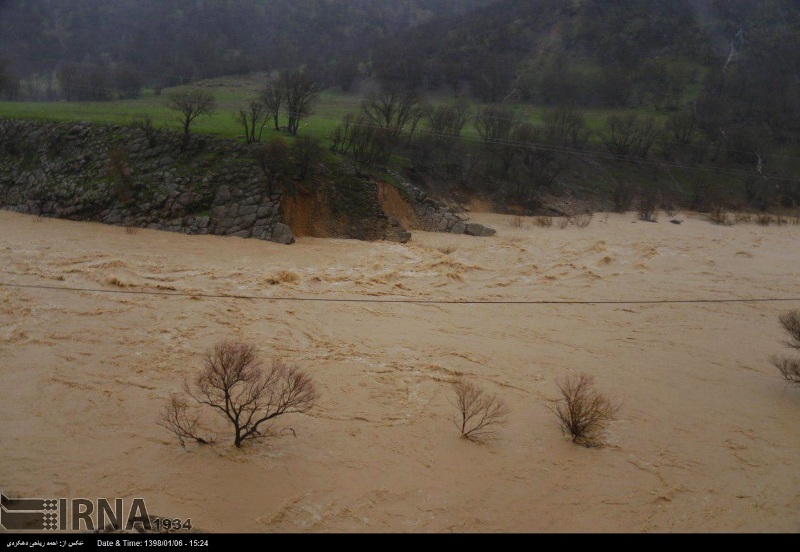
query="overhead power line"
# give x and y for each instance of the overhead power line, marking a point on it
(406, 300)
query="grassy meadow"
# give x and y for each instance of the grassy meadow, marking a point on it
(233, 93)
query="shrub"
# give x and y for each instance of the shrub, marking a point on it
(622, 196)
(791, 324)
(789, 367)
(763, 219)
(479, 412)
(582, 220)
(582, 411)
(718, 215)
(543, 222)
(119, 170)
(647, 206)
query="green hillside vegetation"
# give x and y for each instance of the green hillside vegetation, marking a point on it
(690, 102)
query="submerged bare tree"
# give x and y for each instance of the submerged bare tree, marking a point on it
(236, 385)
(789, 367)
(582, 411)
(480, 413)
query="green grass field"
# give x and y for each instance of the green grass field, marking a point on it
(233, 93)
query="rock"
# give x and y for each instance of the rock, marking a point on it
(459, 228)
(395, 231)
(247, 210)
(248, 220)
(282, 234)
(185, 199)
(488, 232)
(473, 229)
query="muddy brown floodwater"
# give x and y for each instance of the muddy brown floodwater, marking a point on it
(707, 438)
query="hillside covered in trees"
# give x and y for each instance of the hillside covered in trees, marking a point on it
(165, 42)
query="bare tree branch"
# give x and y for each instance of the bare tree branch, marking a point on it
(175, 418)
(788, 367)
(479, 413)
(791, 324)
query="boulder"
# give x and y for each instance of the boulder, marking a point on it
(473, 229)
(459, 228)
(282, 234)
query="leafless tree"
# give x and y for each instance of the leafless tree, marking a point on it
(365, 141)
(790, 367)
(621, 135)
(253, 119)
(235, 384)
(582, 411)
(448, 120)
(391, 108)
(307, 151)
(495, 125)
(480, 413)
(565, 127)
(681, 127)
(628, 135)
(190, 105)
(273, 159)
(301, 94)
(273, 97)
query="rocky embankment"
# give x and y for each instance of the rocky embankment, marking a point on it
(145, 177)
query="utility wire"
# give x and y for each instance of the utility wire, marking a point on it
(407, 301)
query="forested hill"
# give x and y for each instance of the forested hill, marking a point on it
(589, 52)
(182, 40)
(603, 52)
